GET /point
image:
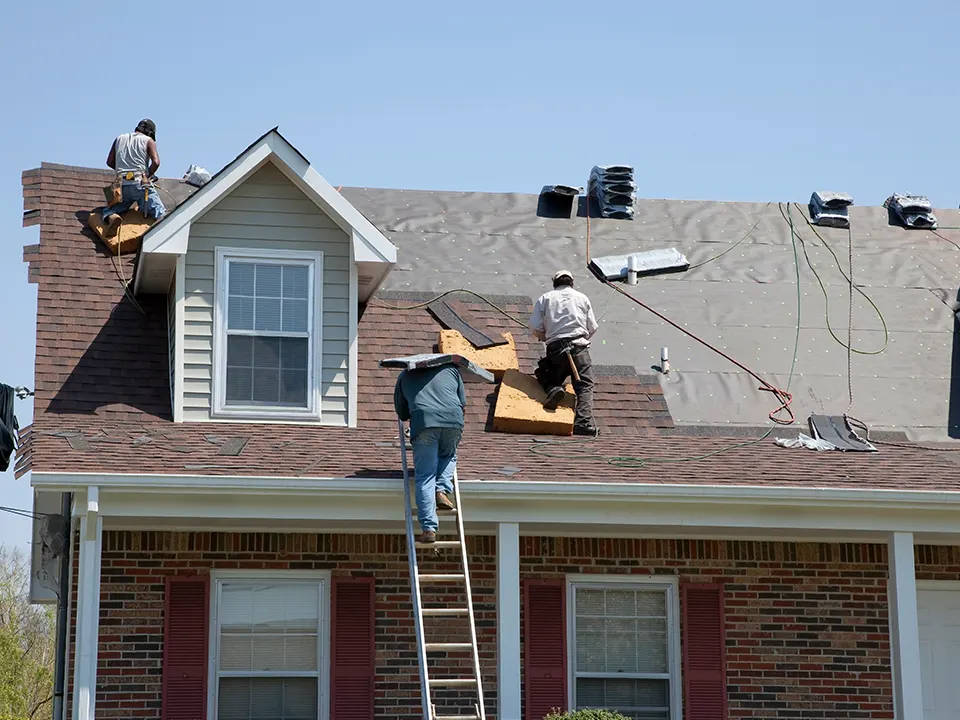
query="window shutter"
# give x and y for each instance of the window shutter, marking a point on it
(545, 647)
(352, 654)
(186, 611)
(704, 670)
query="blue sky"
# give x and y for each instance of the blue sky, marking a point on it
(736, 100)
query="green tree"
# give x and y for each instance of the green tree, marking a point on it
(26, 643)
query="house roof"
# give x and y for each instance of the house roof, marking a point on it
(102, 399)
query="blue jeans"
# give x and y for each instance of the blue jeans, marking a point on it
(152, 207)
(434, 460)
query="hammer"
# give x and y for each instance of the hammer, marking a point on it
(573, 366)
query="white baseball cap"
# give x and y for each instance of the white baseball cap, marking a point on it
(561, 274)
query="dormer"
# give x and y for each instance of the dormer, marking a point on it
(264, 269)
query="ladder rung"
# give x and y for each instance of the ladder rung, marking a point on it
(452, 682)
(456, 717)
(440, 578)
(438, 646)
(439, 544)
(441, 511)
(428, 612)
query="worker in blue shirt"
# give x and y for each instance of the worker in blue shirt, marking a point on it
(433, 400)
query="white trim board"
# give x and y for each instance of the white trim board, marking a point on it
(171, 235)
(538, 508)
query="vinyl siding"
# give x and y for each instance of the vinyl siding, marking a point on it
(267, 211)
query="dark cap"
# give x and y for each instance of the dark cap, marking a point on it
(148, 128)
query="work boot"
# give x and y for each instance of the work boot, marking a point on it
(443, 503)
(586, 430)
(554, 398)
(429, 537)
(111, 225)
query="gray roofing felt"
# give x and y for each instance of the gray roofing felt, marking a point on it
(745, 302)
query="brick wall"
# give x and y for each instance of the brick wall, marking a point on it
(806, 623)
(135, 564)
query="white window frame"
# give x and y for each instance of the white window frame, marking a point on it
(671, 586)
(320, 577)
(313, 260)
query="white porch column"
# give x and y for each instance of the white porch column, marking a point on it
(508, 621)
(904, 629)
(88, 610)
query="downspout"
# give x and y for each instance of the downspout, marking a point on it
(63, 618)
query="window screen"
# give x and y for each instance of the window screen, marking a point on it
(268, 322)
(622, 656)
(270, 650)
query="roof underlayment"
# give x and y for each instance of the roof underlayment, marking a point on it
(744, 302)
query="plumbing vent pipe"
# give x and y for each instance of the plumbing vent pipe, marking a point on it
(633, 268)
(664, 361)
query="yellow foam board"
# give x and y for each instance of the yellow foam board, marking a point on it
(520, 408)
(132, 229)
(497, 359)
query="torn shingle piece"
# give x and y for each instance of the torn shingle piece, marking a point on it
(79, 442)
(455, 316)
(233, 446)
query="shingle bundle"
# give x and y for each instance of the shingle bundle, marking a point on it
(913, 211)
(829, 209)
(612, 188)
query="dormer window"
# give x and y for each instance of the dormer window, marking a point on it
(267, 337)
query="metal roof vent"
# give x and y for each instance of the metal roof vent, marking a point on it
(829, 209)
(613, 189)
(556, 201)
(911, 211)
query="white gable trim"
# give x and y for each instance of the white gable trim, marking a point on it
(172, 234)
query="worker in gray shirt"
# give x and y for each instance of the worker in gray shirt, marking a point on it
(432, 399)
(563, 319)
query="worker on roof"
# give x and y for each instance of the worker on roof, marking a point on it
(136, 160)
(433, 400)
(563, 319)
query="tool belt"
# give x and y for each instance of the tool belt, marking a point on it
(114, 191)
(563, 344)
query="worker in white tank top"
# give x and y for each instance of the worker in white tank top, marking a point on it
(136, 160)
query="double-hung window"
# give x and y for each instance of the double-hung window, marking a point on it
(269, 649)
(625, 648)
(268, 333)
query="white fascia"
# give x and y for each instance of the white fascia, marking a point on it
(535, 505)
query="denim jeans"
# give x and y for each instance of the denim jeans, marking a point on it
(434, 460)
(152, 207)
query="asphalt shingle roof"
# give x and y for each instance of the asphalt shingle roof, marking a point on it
(102, 399)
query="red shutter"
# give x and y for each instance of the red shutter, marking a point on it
(186, 610)
(352, 654)
(704, 670)
(544, 647)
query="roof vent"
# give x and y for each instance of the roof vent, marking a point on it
(613, 189)
(561, 190)
(912, 211)
(829, 209)
(556, 201)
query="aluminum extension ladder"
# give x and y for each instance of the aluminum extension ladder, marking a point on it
(445, 680)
